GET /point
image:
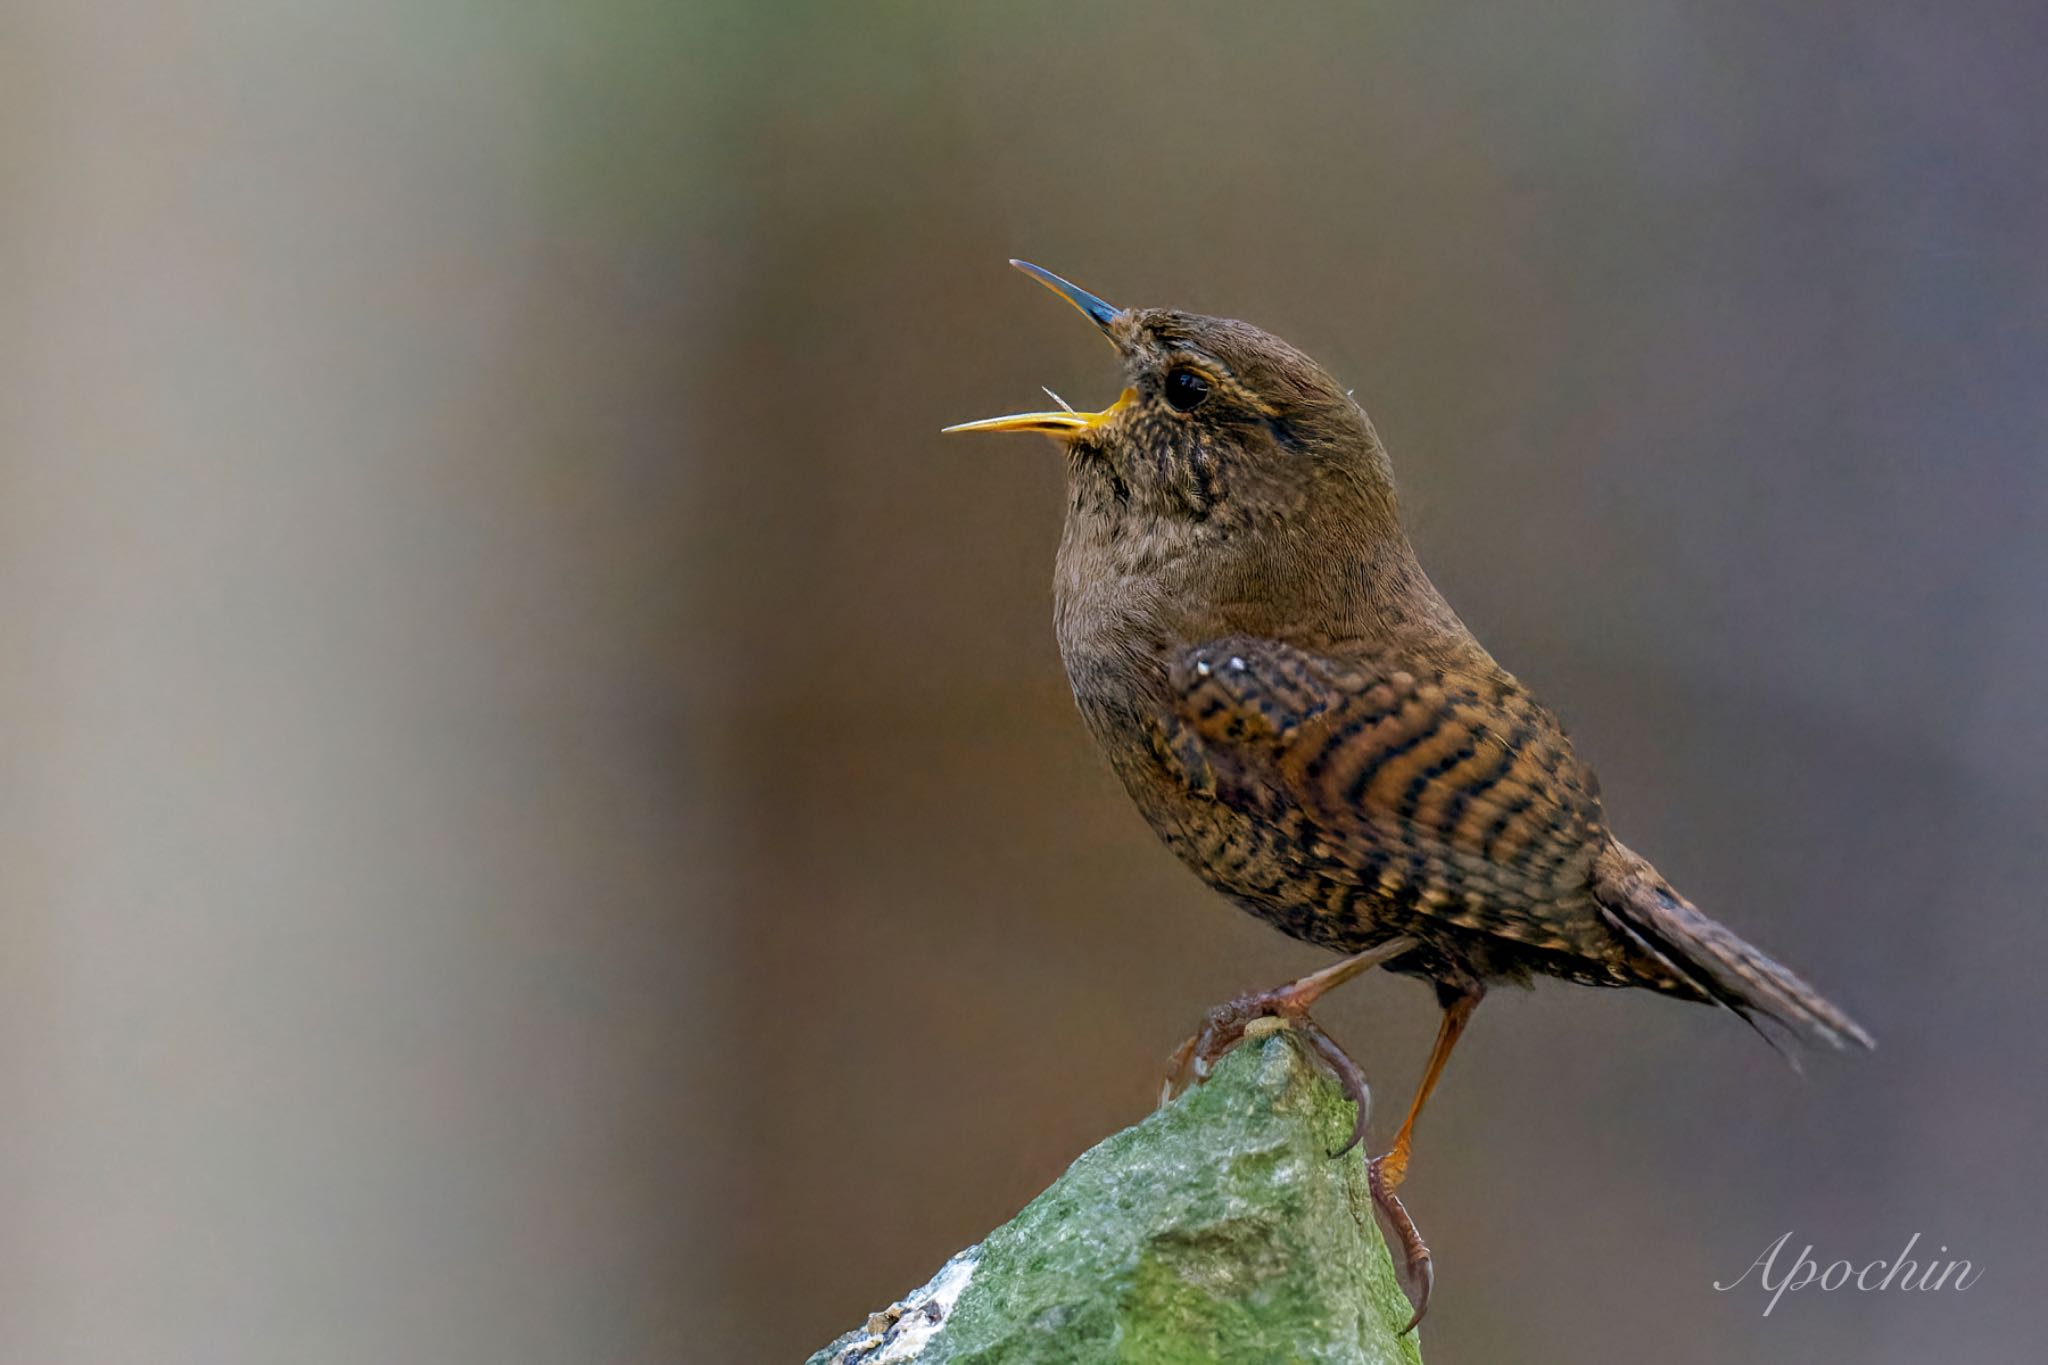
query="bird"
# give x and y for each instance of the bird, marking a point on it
(1302, 718)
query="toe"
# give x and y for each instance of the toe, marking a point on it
(1349, 1075)
(1422, 1282)
(1420, 1266)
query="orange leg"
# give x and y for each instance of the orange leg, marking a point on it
(1386, 1172)
(1394, 1165)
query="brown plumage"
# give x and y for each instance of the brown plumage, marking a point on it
(1303, 719)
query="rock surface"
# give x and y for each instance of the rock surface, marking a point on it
(1218, 1229)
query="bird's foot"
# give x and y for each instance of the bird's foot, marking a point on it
(1256, 1015)
(1383, 1173)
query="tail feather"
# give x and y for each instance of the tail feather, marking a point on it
(1719, 964)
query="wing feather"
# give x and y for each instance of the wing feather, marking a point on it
(1457, 797)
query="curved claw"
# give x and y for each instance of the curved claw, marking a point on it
(1421, 1266)
(1425, 1276)
(1349, 1075)
(1177, 1063)
(1222, 1029)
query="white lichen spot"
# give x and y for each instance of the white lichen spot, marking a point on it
(899, 1333)
(929, 1313)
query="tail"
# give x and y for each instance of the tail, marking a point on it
(1716, 964)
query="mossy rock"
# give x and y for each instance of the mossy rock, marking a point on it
(1219, 1229)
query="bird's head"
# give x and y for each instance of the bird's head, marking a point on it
(1219, 424)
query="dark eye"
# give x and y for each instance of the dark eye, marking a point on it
(1186, 390)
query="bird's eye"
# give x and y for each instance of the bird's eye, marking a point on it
(1186, 390)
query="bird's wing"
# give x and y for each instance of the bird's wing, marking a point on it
(1456, 798)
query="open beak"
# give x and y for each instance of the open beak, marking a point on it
(1065, 423)
(1051, 423)
(1099, 313)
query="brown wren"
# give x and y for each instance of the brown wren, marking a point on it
(1303, 719)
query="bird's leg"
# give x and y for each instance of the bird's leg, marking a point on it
(1393, 1165)
(1386, 1172)
(1226, 1025)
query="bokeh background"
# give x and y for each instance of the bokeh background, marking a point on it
(541, 819)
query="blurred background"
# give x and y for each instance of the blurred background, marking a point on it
(542, 820)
